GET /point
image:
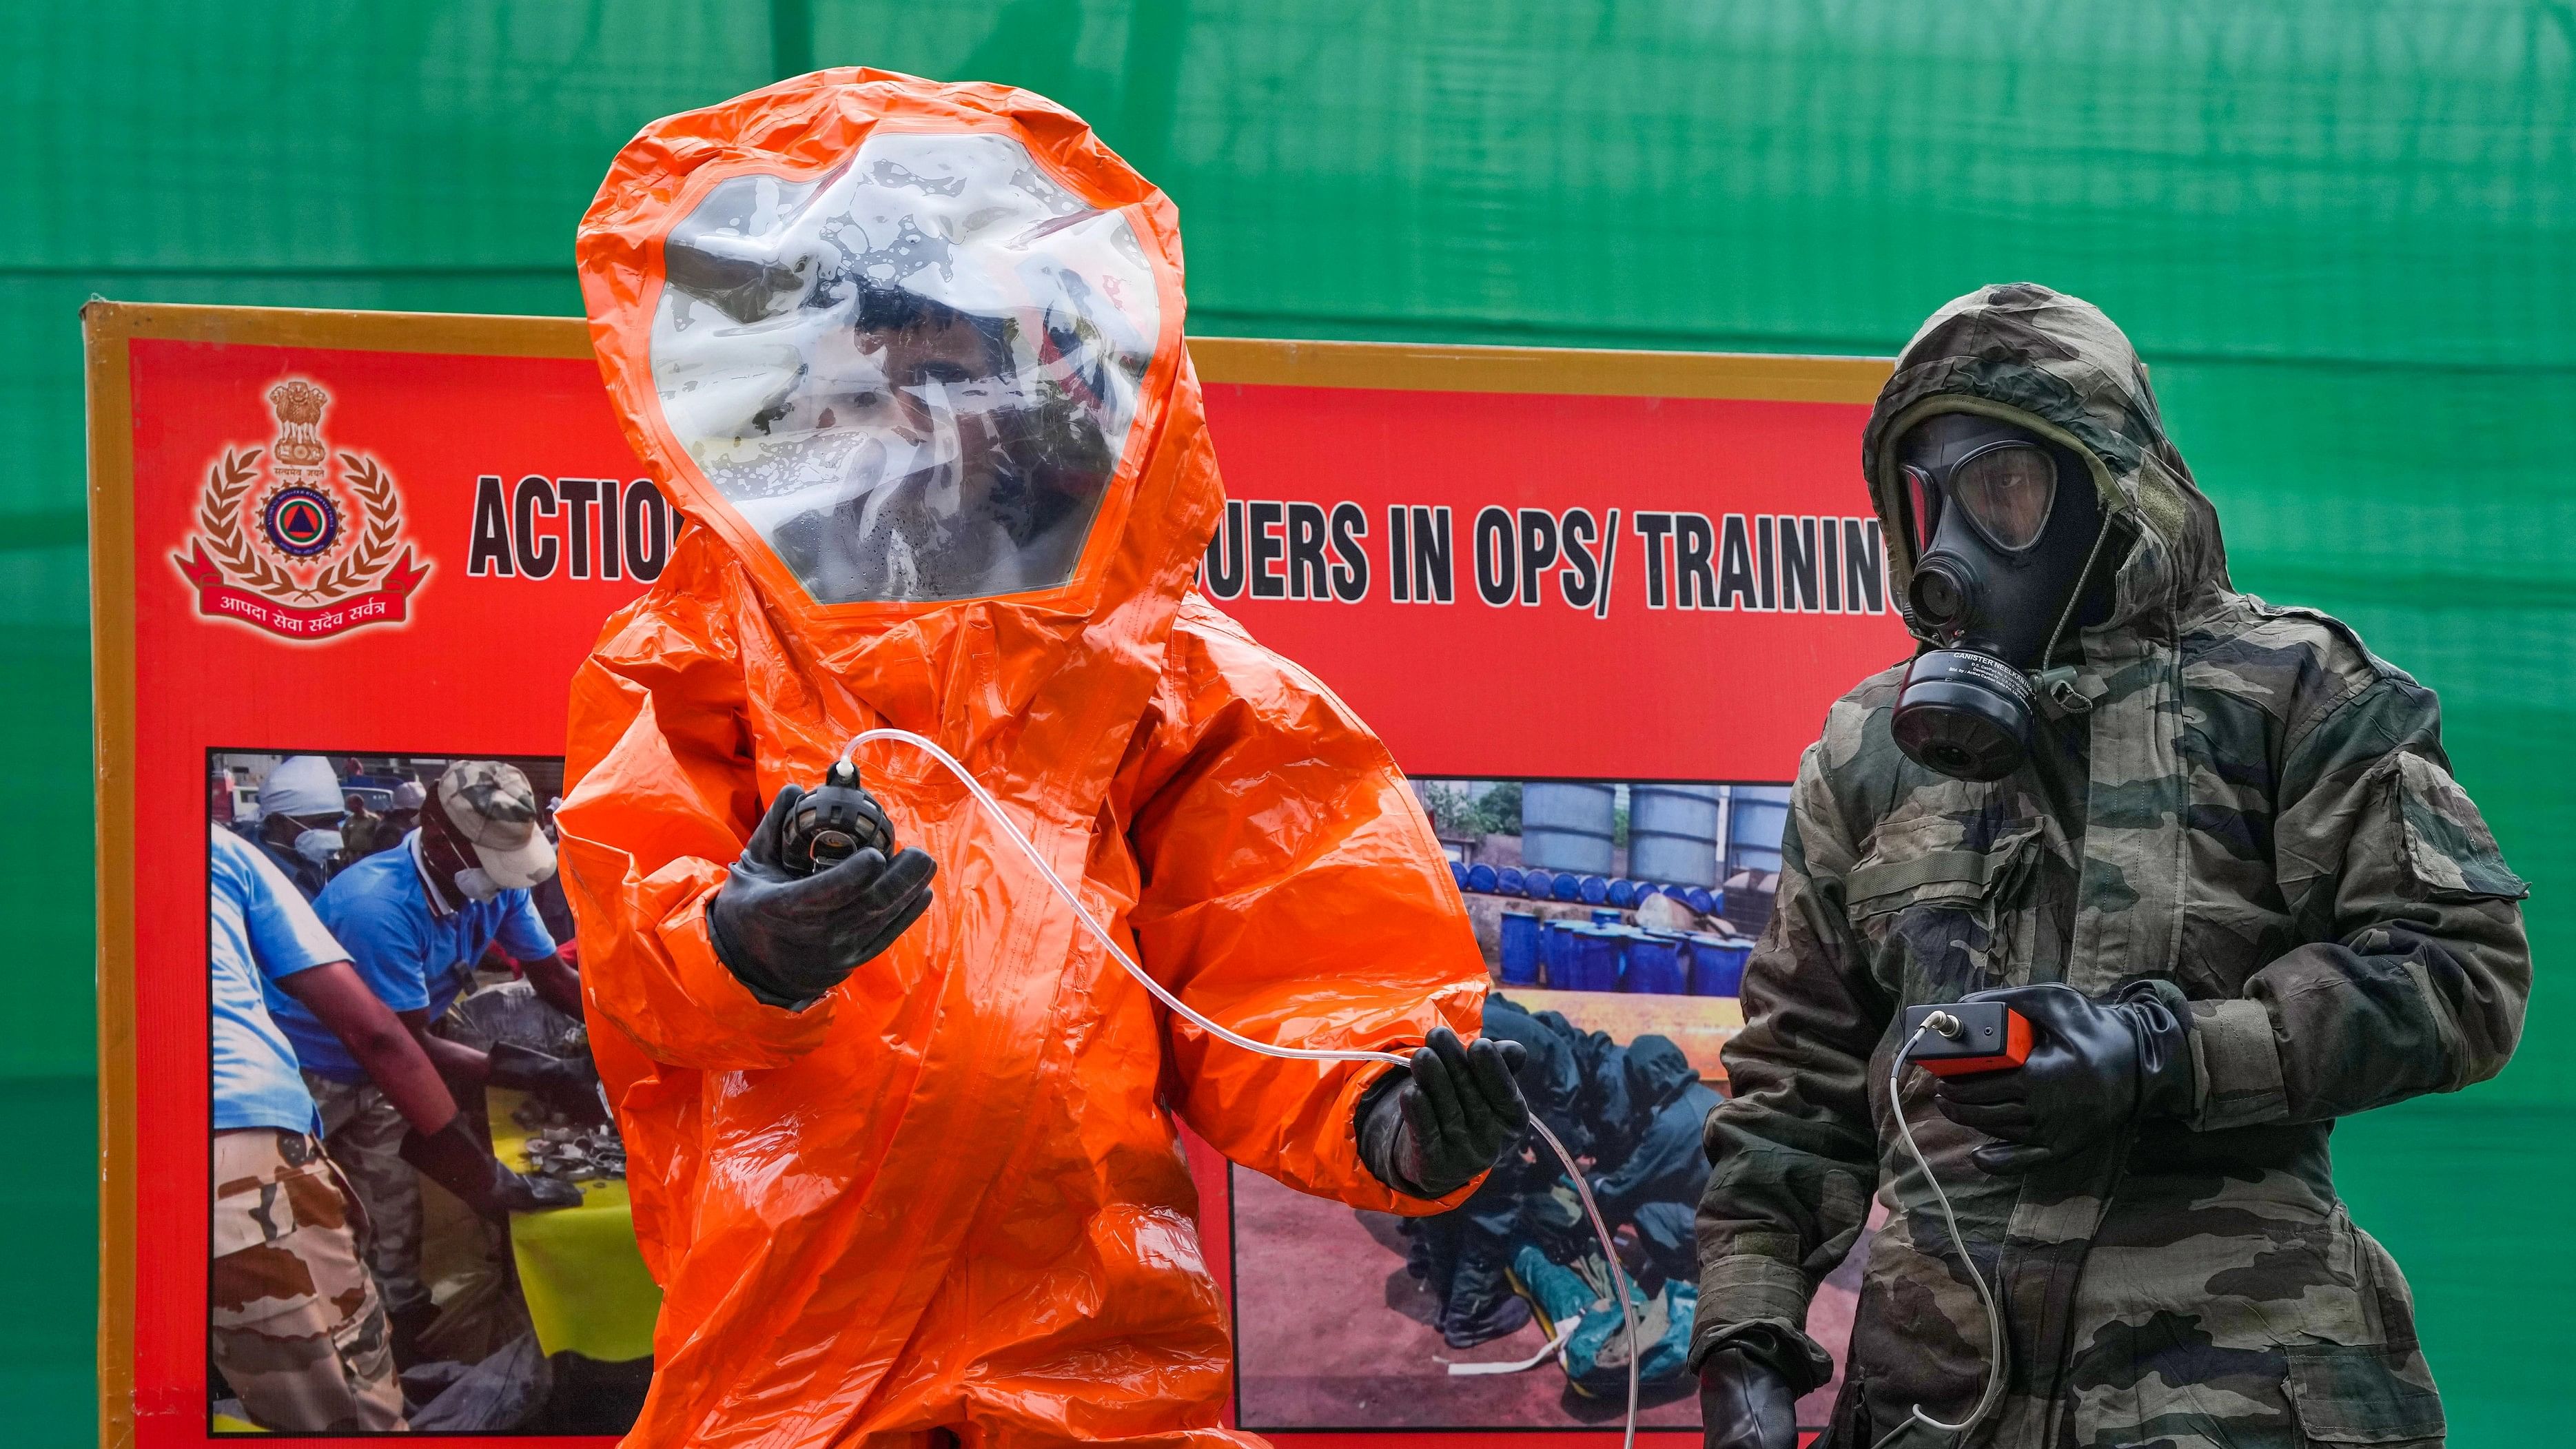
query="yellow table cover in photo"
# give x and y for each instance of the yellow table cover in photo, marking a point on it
(584, 1280)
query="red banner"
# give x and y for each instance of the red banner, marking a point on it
(1526, 570)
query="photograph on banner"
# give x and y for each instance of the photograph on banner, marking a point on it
(1615, 920)
(418, 1211)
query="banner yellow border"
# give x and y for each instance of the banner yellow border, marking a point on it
(1394, 366)
(111, 616)
(109, 326)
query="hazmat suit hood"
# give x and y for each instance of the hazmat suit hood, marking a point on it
(1551, 1077)
(2054, 364)
(912, 353)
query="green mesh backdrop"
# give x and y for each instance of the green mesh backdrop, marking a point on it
(2344, 234)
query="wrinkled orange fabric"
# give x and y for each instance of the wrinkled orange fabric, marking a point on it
(950, 1194)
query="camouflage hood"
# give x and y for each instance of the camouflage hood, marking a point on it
(2056, 365)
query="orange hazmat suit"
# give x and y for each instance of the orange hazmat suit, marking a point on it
(908, 356)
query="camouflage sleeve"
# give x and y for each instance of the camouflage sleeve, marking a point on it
(1793, 1151)
(2416, 970)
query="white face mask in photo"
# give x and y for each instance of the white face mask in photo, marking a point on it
(474, 885)
(318, 846)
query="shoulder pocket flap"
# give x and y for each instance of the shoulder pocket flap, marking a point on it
(1890, 880)
(2360, 1394)
(2450, 852)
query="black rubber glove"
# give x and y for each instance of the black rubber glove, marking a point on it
(2096, 1069)
(1427, 1133)
(789, 938)
(452, 1158)
(1744, 1402)
(568, 1084)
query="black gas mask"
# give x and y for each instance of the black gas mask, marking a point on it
(2004, 523)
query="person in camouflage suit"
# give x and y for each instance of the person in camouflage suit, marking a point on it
(2234, 810)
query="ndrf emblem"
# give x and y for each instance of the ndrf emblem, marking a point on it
(304, 557)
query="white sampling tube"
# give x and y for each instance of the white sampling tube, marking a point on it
(1996, 1344)
(1091, 923)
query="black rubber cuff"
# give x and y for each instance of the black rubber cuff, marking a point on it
(2169, 1079)
(1800, 1361)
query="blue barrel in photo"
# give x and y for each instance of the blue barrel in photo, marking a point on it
(1509, 880)
(1537, 884)
(1555, 954)
(1522, 964)
(1480, 879)
(1700, 901)
(1604, 916)
(1567, 886)
(1717, 965)
(1458, 873)
(1658, 964)
(1596, 890)
(1623, 893)
(1597, 953)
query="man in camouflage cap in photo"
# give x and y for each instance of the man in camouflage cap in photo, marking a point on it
(2211, 847)
(491, 807)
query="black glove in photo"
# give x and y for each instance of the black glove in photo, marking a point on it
(568, 1084)
(452, 1158)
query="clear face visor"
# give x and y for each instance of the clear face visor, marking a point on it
(913, 377)
(2006, 490)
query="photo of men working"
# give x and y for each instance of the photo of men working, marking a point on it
(363, 1278)
(1614, 919)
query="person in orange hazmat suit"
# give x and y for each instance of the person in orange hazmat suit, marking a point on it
(904, 1154)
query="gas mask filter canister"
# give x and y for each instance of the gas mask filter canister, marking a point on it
(2004, 525)
(1965, 714)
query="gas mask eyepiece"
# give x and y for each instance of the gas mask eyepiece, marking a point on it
(2003, 523)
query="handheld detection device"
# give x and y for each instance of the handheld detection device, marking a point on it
(835, 820)
(1970, 1037)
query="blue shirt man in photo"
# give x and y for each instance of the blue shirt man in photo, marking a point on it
(415, 919)
(414, 945)
(307, 1350)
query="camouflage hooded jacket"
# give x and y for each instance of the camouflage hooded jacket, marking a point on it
(2254, 813)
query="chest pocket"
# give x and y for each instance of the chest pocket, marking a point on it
(1946, 918)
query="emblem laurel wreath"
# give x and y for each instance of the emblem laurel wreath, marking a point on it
(375, 551)
(219, 514)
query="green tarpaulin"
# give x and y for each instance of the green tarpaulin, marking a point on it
(2344, 235)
